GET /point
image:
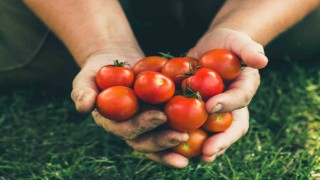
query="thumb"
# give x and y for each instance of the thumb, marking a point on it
(240, 43)
(84, 90)
(193, 53)
(251, 52)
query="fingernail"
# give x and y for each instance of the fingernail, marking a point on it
(216, 108)
(212, 158)
(174, 142)
(157, 121)
(182, 163)
(261, 53)
(80, 97)
(184, 137)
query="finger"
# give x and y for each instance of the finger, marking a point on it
(251, 52)
(223, 140)
(170, 159)
(131, 129)
(238, 94)
(208, 159)
(221, 152)
(84, 90)
(156, 141)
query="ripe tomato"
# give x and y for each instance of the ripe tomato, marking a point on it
(192, 147)
(205, 81)
(154, 87)
(177, 67)
(114, 75)
(185, 114)
(117, 103)
(224, 62)
(150, 63)
(218, 122)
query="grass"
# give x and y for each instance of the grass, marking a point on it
(43, 137)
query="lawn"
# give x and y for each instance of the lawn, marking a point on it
(43, 137)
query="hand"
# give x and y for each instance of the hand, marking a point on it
(217, 144)
(137, 132)
(214, 146)
(240, 92)
(84, 90)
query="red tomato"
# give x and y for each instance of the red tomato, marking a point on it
(224, 62)
(114, 75)
(185, 114)
(205, 81)
(177, 67)
(192, 147)
(117, 103)
(153, 87)
(218, 122)
(150, 63)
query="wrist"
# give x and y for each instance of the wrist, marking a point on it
(122, 51)
(237, 26)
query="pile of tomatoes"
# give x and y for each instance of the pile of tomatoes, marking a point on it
(179, 86)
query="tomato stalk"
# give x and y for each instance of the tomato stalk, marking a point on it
(192, 71)
(189, 93)
(118, 63)
(166, 55)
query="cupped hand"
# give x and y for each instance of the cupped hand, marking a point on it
(140, 132)
(84, 89)
(240, 92)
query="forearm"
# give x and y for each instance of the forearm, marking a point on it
(262, 20)
(85, 27)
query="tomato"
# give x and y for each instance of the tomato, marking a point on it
(114, 75)
(154, 87)
(185, 114)
(218, 122)
(205, 81)
(177, 67)
(117, 103)
(192, 147)
(224, 62)
(150, 63)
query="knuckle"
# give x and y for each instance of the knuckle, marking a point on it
(130, 135)
(162, 143)
(133, 133)
(114, 131)
(138, 146)
(260, 47)
(247, 98)
(256, 77)
(166, 140)
(152, 114)
(74, 94)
